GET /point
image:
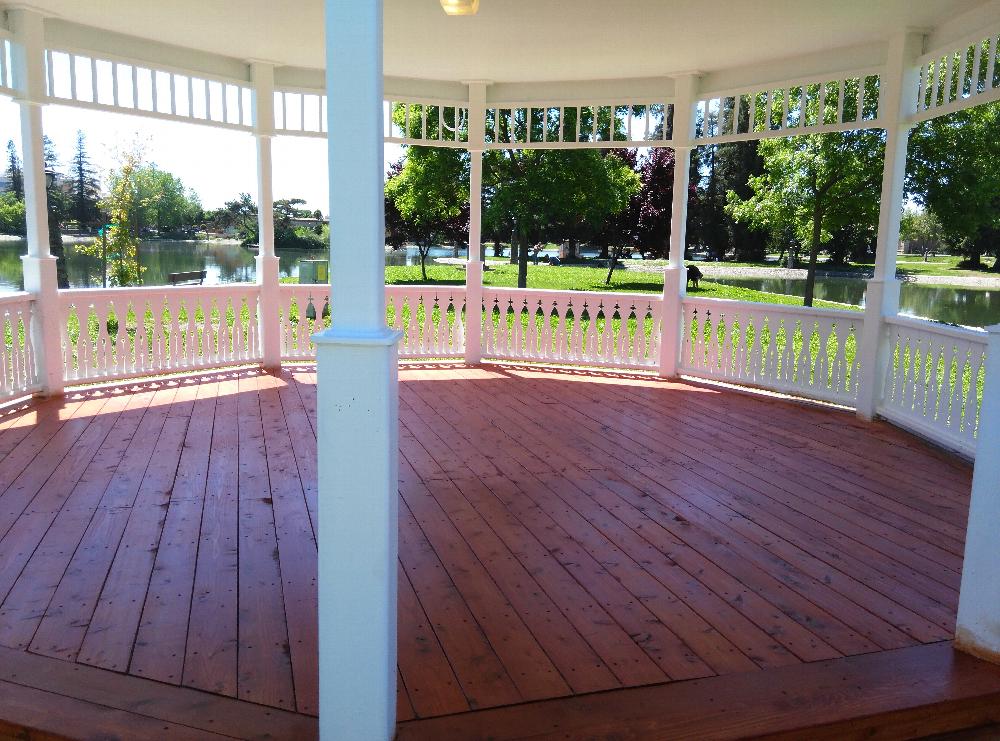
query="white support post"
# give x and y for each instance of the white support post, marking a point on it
(675, 274)
(262, 75)
(474, 266)
(898, 103)
(28, 62)
(357, 406)
(978, 626)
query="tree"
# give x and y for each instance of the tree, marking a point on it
(11, 214)
(541, 191)
(396, 227)
(814, 185)
(120, 205)
(14, 171)
(923, 230)
(431, 194)
(84, 189)
(952, 171)
(655, 202)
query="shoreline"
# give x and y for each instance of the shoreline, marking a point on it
(722, 271)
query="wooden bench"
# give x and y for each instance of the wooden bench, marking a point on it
(190, 278)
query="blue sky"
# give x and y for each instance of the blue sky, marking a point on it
(216, 163)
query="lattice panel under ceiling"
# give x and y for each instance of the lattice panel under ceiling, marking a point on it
(807, 106)
(92, 82)
(963, 75)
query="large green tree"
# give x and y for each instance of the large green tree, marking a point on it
(952, 170)
(539, 191)
(814, 185)
(84, 188)
(431, 194)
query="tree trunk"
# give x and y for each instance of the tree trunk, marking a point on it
(423, 261)
(497, 248)
(814, 246)
(522, 261)
(611, 267)
(571, 249)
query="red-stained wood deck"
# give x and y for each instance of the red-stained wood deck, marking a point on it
(561, 533)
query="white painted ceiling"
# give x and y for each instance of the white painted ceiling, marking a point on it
(526, 40)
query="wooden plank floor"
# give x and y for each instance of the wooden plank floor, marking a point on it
(561, 533)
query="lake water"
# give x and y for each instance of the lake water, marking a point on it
(224, 262)
(972, 307)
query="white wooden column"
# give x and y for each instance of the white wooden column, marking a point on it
(897, 102)
(357, 405)
(28, 66)
(262, 75)
(978, 626)
(675, 274)
(474, 267)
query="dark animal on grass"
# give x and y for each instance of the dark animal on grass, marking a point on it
(694, 275)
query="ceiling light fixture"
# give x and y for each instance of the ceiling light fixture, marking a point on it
(460, 7)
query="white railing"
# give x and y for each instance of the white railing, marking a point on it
(431, 319)
(123, 332)
(792, 349)
(933, 380)
(18, 374)
(618, 330)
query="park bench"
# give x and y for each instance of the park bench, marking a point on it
(189, 278)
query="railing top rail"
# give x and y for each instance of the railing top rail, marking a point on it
(16, 298)
(555, 294)
(153, 291)
(974, 334)
(784, 309)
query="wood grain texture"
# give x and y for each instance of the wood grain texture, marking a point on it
(563, 534)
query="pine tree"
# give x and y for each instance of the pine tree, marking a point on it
(84, 188)
(14, 171)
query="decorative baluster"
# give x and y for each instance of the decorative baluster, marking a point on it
(427, 333)
(971, 417)
(769, 372)
(806, 374)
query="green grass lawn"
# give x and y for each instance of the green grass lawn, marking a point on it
(584, 278)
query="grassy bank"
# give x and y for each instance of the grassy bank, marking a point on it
(583, 278)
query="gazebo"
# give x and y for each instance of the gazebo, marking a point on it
(738, 564)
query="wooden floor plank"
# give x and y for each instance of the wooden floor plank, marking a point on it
(112, 630)
(64, 626)
(296, 546)
(28, 599)
(162, 636)
(264, 658)
(210, 658)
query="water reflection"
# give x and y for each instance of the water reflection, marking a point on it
(223, 262)
(972, 307)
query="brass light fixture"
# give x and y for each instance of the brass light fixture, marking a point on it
(460, 7)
